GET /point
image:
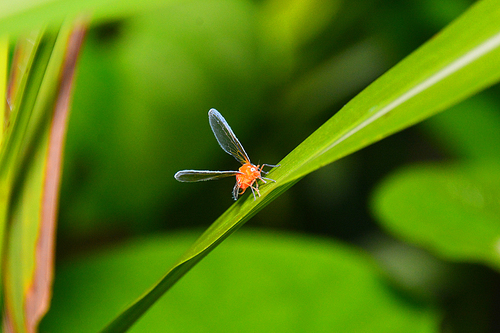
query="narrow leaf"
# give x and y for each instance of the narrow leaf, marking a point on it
(461, 60)
(4, 60)
(38, 296)
(30, 62)
(31, 173)
(4, 50)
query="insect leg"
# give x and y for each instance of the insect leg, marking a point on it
(253, 192)
(236, 190)
(255, 189)
(272, 180)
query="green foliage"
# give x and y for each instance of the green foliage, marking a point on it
(418, 87)
(275, 69)
(286, 283)
(37, 101)
(451, 210)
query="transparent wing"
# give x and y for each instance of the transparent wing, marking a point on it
(202, 175)
(225, 136)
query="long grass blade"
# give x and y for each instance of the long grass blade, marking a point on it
(38, 296)
(418, 87)
(32, 174)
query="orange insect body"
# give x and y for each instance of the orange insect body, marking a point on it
(249, 173)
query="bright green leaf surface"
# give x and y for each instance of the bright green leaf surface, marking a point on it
(256, 282)
(461, 60)
(450, 210)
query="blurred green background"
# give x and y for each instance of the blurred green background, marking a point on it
(276, 70)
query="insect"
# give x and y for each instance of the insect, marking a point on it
(246, 176)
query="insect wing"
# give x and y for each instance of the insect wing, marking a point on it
(225, 136)
(202, 175)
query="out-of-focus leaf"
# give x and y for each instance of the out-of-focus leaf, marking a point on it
(291, 23)
(31, 165)
(25, 15)
(4, 54)
(336, 79)
(461, 60)
(4, 51)
(450, 210)
(30, 63)
(286, 283)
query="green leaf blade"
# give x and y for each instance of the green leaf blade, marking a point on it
(31, 174)
(461, 60)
